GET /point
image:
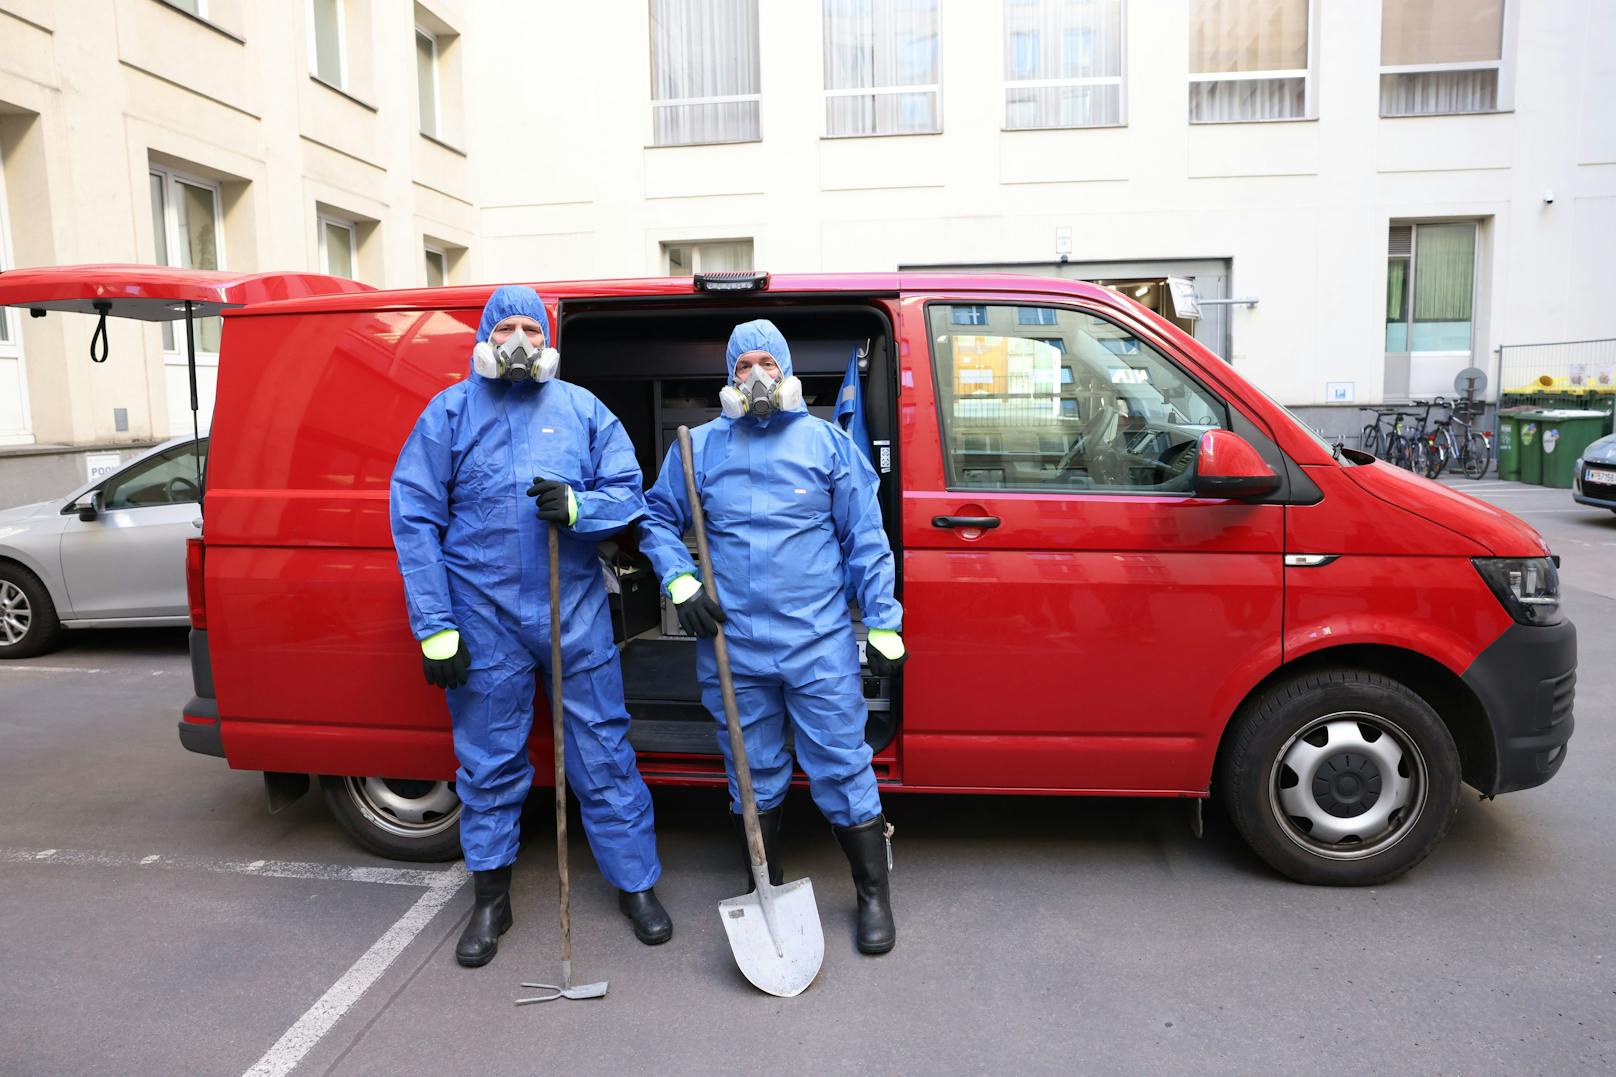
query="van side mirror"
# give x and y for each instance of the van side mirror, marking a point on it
(1227, 466)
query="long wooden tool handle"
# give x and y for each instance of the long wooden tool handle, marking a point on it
(737, 743)
(558, 734)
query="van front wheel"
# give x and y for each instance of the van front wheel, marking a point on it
(1340, 777)
(399, 818)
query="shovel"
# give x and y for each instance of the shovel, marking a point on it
(774, 931)
(565, 988)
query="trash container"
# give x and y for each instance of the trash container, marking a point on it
(1565, 434)
(1509, 442)
(1529, 450)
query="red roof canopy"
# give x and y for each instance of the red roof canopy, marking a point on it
(157, 293)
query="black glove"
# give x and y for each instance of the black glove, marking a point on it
(552, 498)
(700, 615)
(880, 665)
(448, 672)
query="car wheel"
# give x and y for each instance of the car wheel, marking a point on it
(399, 818)
(28, 622)
(1341, 777)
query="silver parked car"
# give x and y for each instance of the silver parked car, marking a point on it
(1594, 482)
(110, 554)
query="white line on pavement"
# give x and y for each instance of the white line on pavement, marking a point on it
(273, 869)
(12, 667)
(318, 1019)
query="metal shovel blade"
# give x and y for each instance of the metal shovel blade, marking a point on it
(775, 934)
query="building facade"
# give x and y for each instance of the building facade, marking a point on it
(1350, 200)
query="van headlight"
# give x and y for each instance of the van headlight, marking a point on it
(1529, 587)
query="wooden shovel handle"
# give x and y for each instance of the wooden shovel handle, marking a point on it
(558, 734)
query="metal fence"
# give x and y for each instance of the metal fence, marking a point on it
(1573, 366)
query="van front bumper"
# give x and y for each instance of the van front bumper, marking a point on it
(1526, 682)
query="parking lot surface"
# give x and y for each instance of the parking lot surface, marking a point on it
(155, 919)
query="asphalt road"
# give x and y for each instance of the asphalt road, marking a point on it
(154, 919)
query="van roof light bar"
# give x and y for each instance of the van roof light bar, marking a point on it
(742, 280)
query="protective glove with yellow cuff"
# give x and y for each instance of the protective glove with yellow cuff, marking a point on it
(445, 660)
(884, 652)
(557, 503)
(698, 615)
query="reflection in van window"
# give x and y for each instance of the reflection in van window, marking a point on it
(1092, 408)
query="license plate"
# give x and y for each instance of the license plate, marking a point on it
(1599, 475)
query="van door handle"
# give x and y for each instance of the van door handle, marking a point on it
(984, 523)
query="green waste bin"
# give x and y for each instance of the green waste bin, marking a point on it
(1565, 434)
(1509, 443)
(1529, 448)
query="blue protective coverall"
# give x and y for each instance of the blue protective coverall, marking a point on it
(793, 521)
(474, 556)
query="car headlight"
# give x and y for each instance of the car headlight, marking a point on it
(1528, 587)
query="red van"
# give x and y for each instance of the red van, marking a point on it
(1126, 571)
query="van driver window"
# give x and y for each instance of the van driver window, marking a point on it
(1062, 400)
(166, 479)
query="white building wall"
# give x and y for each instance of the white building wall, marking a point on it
(1300, 208)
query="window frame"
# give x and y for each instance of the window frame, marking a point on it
(1120, 81)
(694, 247)
(1308, 75)
(1411, 273)
(172, 241)
(11, 326)
(722, 99)
(1076, 306)
(342, 44)
(1505, 97)
(826, 93)
(428, 250)
(437, 82)
(322, 218)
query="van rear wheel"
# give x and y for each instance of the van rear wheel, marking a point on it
(399, 818)
(1340, 777)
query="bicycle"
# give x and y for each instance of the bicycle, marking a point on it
(1370, 439)
(1408, 448)
(1473, 454)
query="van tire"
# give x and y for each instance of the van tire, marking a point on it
(27, 601)
(1310, 759)
(401, 819)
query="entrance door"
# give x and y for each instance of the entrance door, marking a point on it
(1077, 619)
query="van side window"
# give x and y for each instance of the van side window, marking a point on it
(1033, 398)
(166, 479)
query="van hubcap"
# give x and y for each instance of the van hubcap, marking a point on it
(15, 613)
(1348, 785)
(406, 807)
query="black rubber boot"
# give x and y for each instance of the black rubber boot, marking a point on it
(769, 823)
(652, 924)
(866, 849)
(490, 917)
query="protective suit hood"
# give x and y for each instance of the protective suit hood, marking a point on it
(489, 362)
(760, 335)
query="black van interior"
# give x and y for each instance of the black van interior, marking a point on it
(660, 365)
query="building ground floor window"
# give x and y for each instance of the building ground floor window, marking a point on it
(188, 233)
(1430, 305)
(707, 256)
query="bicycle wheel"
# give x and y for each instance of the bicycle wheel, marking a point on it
(1397, 451)
(1436, 458)
(1369, 442)
(1418, 455)
(1478, 455)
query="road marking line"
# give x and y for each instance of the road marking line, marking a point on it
(272, 869)
(12, 667)
(318, 1019)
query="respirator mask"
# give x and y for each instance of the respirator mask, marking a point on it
(519, 359)
(760, 395)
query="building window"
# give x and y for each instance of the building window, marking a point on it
(705, 77)
(187, 232)
(15, 425)
(338, 245)
(1439, 57)
(326, 40)
(426, 80)
(685, 259)
(1035, 315)
(883, 67)
(1062, 63)
(437, 268)
(1430, 287)
(1250, 60)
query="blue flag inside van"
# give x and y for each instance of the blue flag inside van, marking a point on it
(850, 407)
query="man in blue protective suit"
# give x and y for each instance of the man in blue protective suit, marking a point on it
(474, 555)
(793, 524)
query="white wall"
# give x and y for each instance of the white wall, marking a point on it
(571, 188)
